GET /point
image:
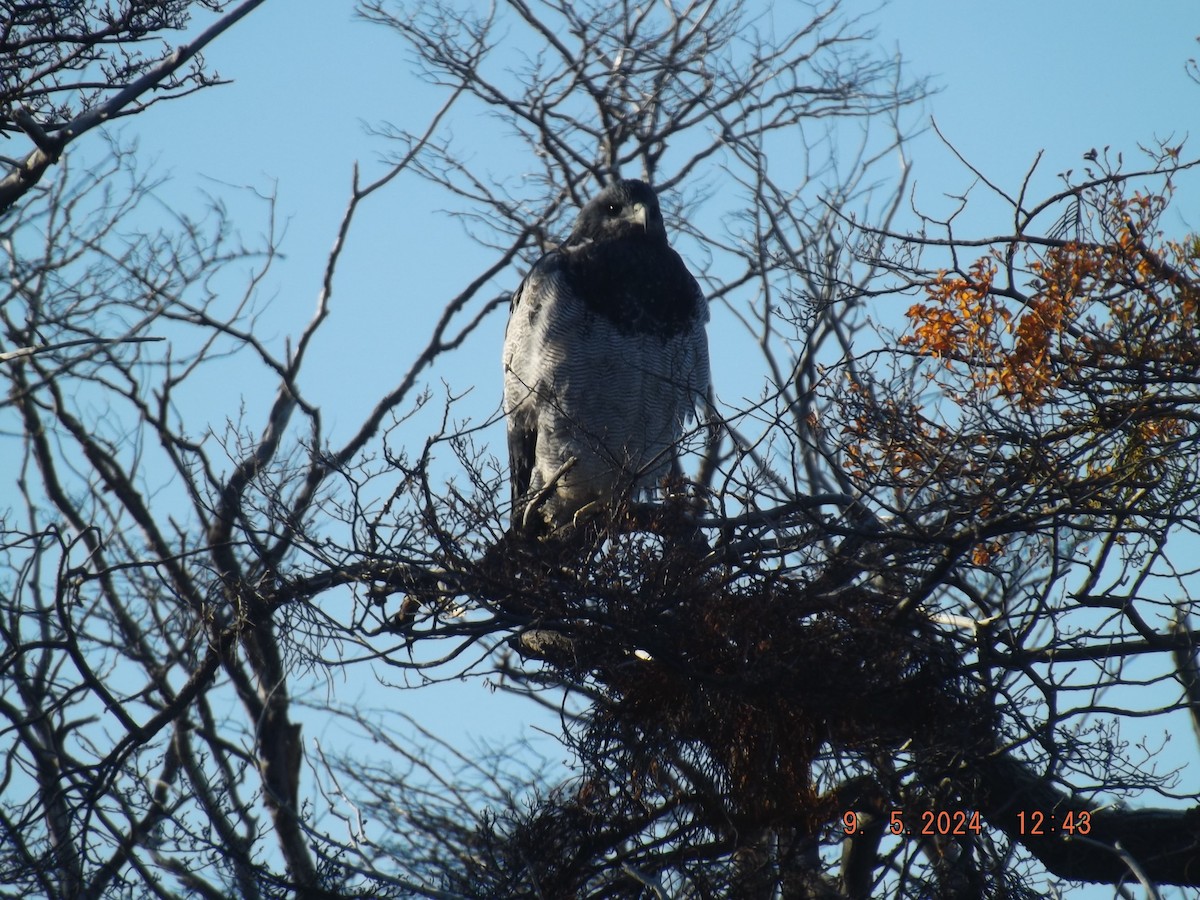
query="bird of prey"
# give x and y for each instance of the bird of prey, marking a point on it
(605, 361)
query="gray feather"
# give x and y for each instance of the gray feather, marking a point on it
(605, 359)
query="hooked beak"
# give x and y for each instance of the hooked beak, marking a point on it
(640, 214)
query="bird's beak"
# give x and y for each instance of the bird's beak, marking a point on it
(640, 215)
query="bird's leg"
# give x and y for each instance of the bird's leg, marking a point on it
(584, 512)
(543, 494)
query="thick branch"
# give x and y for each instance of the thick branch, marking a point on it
(1164, 842)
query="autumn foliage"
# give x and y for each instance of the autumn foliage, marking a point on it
(1052, 369)
(1087, 310)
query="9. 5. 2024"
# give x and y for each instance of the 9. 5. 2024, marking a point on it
(943, 822)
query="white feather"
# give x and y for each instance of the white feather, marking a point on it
(616, 400)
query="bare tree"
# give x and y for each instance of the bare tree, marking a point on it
(892, 652)
(66, 68)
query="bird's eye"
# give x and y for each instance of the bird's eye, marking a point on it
(613, 209)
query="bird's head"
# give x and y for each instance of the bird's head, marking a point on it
(625, 208)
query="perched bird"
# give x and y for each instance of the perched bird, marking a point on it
(605, 361)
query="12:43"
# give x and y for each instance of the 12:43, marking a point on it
(1036, 822)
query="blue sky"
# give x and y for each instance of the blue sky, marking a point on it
(1014, 79)
(1059, 77)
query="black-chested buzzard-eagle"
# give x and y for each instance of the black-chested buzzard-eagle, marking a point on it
(605, 360)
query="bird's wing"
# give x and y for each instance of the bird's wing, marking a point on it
(520, 400)
(699, 375)
(522, 450)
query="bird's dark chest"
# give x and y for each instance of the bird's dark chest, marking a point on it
(639, 286)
